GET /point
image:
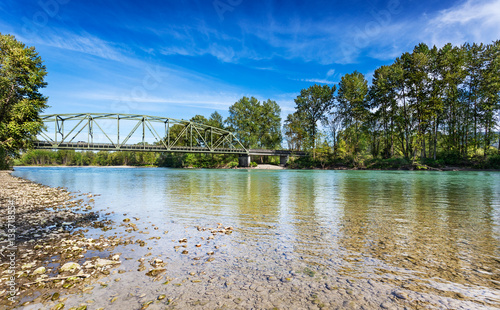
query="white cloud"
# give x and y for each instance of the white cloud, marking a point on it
(488, 12)
(471, 21)
(83, 43)
(330, 72)
(321, 81)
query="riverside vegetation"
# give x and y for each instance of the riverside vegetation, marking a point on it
(431, 108)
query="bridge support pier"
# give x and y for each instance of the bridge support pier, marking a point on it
(284, 160)
(244, 161)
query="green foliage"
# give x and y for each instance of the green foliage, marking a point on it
(253, 164)
(433, 107)
(216, 120)
(233, 164)
(87, 158)
(312, 105)
(257, 125)
(389, 163)
(179, 160)
(493, 162)
(430, 108)
(295, 133)
(22, 74)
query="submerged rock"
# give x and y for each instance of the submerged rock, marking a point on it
(71, 267)
(39, 270)
(156, 271)
(100, 262)
(55, 296)
(59, 306)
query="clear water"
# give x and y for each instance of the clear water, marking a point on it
(435, 235)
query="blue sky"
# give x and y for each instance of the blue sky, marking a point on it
(181, 58)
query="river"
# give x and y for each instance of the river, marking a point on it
(301, 239)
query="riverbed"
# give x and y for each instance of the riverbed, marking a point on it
(285, 239)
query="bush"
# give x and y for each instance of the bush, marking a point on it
(253, 164)
(233, 164)
(390, 163)
(493, 162)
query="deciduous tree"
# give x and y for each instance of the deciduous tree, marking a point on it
(22, 76)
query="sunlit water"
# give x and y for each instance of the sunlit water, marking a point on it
(355, 235)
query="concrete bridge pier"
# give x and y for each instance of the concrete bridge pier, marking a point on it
(244, 161)
(284, 160)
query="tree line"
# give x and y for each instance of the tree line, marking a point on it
(429, 103)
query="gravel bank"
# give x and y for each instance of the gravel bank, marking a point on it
(42, 242)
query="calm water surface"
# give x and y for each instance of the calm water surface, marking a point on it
(435, 235)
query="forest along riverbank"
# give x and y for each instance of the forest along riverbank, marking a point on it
(41, 241)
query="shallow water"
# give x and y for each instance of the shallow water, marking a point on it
(304, 238)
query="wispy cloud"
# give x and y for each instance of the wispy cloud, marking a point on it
(223, 53)
(471, 21)
(82, 42)
(321, 81)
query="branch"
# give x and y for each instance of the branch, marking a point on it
(84, 275)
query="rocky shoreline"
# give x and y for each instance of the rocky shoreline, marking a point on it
(42, 238)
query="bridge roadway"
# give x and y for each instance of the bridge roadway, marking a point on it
(244, 155)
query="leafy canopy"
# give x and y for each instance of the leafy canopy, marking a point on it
(314, 104)
(256, 124)
(22, 75)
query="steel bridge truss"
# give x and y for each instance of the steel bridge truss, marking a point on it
(178, 136)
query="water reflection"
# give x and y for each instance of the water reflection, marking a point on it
(420, 230)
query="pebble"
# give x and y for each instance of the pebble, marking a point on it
(40, 270)
(400, 295)
(71, 266)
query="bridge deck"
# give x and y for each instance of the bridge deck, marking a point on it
(161, 148)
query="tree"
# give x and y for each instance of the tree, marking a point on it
(256, 125)
(21, 76)
(293, 129)
(382, 97)
(334, 126)
(270, 125)
(473, 80)
(242, 121)
(351, 96)
(314, 104)
(199, 119)
(490, 89)
(216, 120)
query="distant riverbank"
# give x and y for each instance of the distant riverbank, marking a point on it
(328, 161)
(276, 167)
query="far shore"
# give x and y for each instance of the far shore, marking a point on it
(276, 167)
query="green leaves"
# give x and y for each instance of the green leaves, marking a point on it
(352, 104)
(313, 105)
(22, 75)
(256, 125)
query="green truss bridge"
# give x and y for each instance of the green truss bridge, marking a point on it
(144, 133)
